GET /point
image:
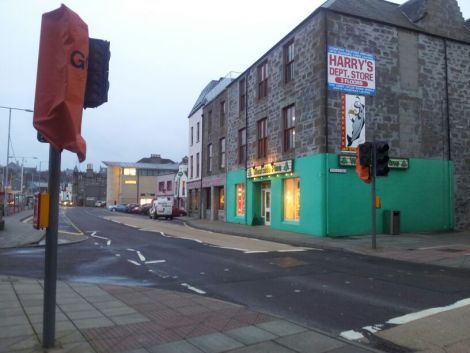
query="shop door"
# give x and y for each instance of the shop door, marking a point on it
(266, 206)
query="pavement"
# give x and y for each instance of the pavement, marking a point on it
(442, 249)
(19, 232)
(109, 318)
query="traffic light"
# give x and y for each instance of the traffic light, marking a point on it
(97, 84)
(363, 161)
(365, 154)
(381, 158)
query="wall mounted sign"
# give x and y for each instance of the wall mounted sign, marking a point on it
(338, 170)
(351, 71)
(353, 123)
(393, 163)
(270, 169)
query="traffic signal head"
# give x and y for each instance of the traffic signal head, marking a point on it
(382, 158)
(363, 171)
(365, 154)
(97, 84)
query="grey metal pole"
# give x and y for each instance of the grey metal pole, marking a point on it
(5, 201)
(50, 273)
(374, 210)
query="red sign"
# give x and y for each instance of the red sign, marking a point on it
(61, 80)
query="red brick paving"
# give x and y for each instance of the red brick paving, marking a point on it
(172, 316)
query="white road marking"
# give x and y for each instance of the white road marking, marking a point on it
(226, 269)
(133, 262)
(297, 290)
(97, 236)
(96, 243)
(194, 289)
(141, 257)
(269, 295)
(298, 250)
(373, 329)
(428, 312)
(351, 335)
(117, 254)
(108, 243)
(155, 261)
(255, 252)
(131, 250)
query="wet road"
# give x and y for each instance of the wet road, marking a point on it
(333, 291)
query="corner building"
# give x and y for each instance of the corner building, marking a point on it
(290, 157)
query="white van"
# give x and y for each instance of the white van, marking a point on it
(161, 207)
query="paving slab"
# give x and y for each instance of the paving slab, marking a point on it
(281, 327)
(308, 342)
(175, 347)
(265, 347)
(250, 335)
(215, 343)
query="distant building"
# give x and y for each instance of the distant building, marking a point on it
(136, 182)
(175, 185)
(88, 187)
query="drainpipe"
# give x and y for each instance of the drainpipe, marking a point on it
(326, 177)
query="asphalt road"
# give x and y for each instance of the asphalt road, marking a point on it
(332, 291)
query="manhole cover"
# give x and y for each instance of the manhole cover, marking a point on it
(287, 262)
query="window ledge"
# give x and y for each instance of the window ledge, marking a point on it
(291, 223)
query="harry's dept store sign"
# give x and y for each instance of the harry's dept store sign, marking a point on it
(270, 169)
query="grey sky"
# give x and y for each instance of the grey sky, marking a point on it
(162, 54)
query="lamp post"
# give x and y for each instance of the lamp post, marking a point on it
(22, 170)
(8, 152)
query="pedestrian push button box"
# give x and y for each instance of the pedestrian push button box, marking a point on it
(41, 210)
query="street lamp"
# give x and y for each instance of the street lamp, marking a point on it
(22, 169)
(8, 152)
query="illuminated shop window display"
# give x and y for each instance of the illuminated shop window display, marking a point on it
(240, 199)
(292, 199)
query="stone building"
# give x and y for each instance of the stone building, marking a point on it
(353, 71)
(201, 179)
(88, 187)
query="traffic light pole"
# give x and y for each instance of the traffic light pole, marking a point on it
(374, 209)
(50, 273)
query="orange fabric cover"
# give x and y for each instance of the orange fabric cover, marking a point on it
(61, 80)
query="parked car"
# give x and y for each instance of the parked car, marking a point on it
(130, 206)
(137, 209)
(161, 207)
(144, 209)
(100, 203)
(121, 207)
(178, 212)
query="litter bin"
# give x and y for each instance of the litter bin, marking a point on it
(392, 222)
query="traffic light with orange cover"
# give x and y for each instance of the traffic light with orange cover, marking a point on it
(363, 161)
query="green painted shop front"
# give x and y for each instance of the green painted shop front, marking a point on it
(334, 202)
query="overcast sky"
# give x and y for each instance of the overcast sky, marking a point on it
(162, 54)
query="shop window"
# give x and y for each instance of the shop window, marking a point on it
(292, 199)
(221, 198)
(240, 189)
